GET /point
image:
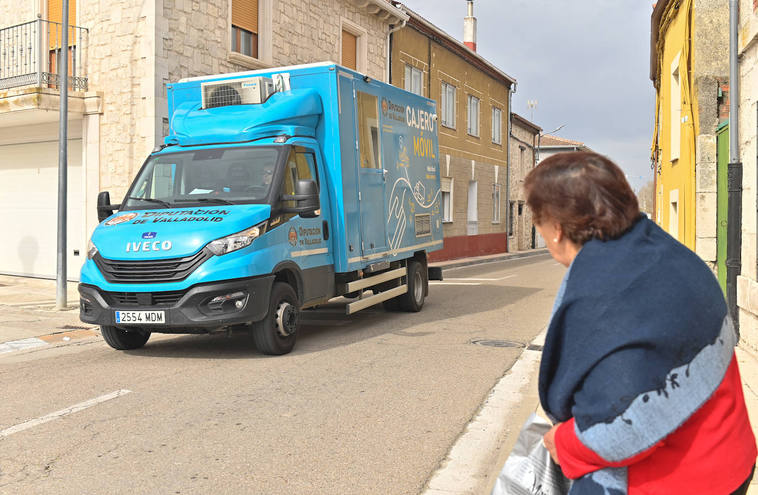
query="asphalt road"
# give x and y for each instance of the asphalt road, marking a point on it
(366, 404)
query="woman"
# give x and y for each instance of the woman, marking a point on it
(638, 366)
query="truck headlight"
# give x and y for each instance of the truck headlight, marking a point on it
(91, 249)
(236, 241)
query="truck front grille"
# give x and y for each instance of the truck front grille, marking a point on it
(166, 298)
(150, 271)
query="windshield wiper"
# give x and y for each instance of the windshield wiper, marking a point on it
(151, 200)
(205, 200)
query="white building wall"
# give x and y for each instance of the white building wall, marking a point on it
(747, 287)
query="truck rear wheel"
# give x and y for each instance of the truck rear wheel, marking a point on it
(276, 333)
(121, 340)
(413, 300)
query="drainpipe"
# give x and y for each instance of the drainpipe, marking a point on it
(734, 214)
(511, 90)
(393, 28)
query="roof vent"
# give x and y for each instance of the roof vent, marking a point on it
(254, 90)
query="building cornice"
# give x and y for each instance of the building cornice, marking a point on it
(382, 9)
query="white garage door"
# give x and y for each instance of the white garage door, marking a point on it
(29, 209)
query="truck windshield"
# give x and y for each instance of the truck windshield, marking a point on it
(222, 176)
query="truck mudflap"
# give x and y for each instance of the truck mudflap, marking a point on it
(194, 310)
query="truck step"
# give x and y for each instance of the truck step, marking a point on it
(376, 279)
(365, 302)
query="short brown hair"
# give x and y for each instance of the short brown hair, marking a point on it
(586, 193)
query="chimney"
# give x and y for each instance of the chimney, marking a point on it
(469, 27)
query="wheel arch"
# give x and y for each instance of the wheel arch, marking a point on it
(289, 273)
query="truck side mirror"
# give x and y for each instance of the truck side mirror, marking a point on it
(104, 206)
(305, 197)
(308, 202)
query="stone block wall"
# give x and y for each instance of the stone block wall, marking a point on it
(522, 138)
(747, 286)
(13, 12)
(120, 64)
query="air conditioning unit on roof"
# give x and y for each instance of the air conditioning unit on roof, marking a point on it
(253, 90)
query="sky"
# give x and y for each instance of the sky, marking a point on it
(585, 62)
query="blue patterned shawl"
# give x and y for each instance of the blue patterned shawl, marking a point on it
(638, 341)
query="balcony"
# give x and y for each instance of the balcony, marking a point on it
(30, 54)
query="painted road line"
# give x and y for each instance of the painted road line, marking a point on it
(436, 282)
(469, 459)
(467, 279)
(63, 412)
(20, 345)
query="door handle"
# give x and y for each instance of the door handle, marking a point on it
(384, 173)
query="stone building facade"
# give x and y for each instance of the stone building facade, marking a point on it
(473, 108)
(747, 281)
(524, 135)
(128, 51)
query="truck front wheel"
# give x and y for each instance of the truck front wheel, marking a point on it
(276, 333)
(121, 340)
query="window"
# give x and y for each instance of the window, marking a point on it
(245, 27)
(511, 205)
(496, 203)
(349, 50)
(497, 125)
(473, 115)
(446, 188)
(368, 130)
(413, 81)
(522, 162)
(676, 110)
(448, 105)
(674, 213)
(473, 214)
(298, 167)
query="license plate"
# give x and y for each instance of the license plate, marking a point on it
(140, 317)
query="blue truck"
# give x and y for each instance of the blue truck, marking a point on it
(275, 191)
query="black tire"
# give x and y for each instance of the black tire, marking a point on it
(413, 300)
(276, 333)
(123, 340)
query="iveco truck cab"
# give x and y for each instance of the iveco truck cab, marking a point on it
(274, 191)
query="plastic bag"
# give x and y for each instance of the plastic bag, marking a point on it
(530, 470)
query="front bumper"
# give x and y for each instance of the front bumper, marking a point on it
(185, 311)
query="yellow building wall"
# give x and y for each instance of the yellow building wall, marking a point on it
(677, 175)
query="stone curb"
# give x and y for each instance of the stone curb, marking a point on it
(446, 265)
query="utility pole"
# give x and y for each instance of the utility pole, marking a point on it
(60, 286)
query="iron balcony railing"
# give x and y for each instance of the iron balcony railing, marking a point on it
(30, 55)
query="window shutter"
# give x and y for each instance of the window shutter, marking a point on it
(349, 50)
(245, 15)
(55, 14)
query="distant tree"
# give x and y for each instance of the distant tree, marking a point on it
(645, 197)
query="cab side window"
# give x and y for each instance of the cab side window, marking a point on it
(301, 165)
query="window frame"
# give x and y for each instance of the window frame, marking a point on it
(409, 73)
(361, 44)
(473, 119)
(446, 106)
(497, 137)
(264, 49)
(447, 185)
(496, 196)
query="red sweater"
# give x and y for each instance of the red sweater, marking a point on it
(712, 453)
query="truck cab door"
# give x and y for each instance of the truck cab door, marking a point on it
(371, 172)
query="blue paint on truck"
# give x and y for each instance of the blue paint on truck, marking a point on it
(274, 191)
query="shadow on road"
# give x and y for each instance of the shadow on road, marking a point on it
(328, 327)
